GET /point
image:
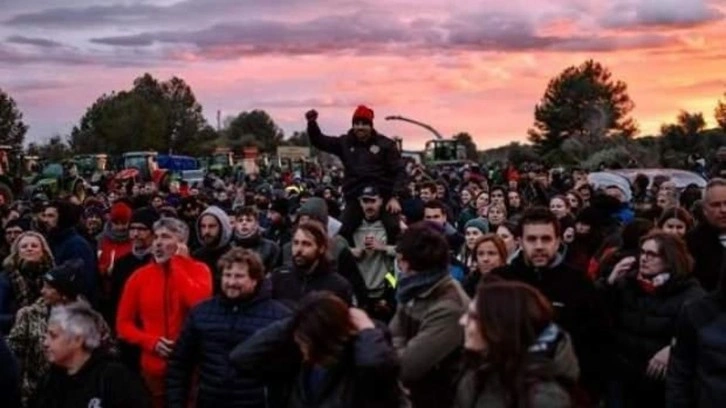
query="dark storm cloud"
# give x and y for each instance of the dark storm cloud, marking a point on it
(38, 42)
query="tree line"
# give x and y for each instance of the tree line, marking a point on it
(584, 117)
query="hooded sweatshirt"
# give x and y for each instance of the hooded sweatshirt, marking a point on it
(210, 254)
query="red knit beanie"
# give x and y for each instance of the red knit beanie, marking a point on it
(120, 213)
(363, 114)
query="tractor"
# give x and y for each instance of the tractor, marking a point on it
(60, 179)
(93, 167)
(141, 167)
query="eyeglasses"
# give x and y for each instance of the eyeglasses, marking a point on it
(649, 254)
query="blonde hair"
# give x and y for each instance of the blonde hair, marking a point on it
(13, 260)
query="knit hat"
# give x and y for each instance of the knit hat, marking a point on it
(120, 213)
(281, 206)
(479, 223)
(145, 216)
(22, 223)
(363, 114)
(66, 278)
(315, 208)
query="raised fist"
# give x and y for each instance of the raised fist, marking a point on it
(311, 115)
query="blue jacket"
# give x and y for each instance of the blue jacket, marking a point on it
(67, 245)
(211, 331)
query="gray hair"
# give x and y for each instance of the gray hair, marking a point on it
(176, 226)
(78, 319)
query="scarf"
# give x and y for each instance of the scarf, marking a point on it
(651, 285)
(115, 236)
(417, 283)
(27, 281)
(247, 241)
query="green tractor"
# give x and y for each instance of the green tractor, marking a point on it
(60, 179)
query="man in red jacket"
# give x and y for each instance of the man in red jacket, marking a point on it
(157, 299)
(115, 241)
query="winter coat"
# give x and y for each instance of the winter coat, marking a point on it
(99, 383)
(291, 284)
(579, 310)
(155, 302)
(129, 354)
(366, 374)
(343, 262)
(376, 161)
(212, 329)
(26, 341)
(269, 251)
(111, 248)
(428, 339)
(68, 245)
(708, 254)
(550, 370)
(645, 323)
(26, 280)
(698, 357)
(9, 377)
(210, 254)
(8, 305)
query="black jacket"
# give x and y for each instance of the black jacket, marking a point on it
(130, 354)
(376, 161)
(698, 358)
(705, 247)
(291, 284)
(99, 383)
(366, 374)
(645, 323)
(578, 307)
(211, 330)
(210, 256)
(9, 377)
(268, 250)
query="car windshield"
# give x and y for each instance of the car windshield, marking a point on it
(86, 163)
(220, 159)
(54, 170)
(138, 162)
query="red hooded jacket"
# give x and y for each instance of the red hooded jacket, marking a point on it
(155, 302)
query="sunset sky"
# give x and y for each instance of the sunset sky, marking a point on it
(476, 66)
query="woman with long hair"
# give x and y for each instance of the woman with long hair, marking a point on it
(519, 357)
(482, 204)
(508, 233)
(676, 220)
(490, 253)
(326, 355)
(30, 258)
(473, 230)
(468, 209)
(645, 296)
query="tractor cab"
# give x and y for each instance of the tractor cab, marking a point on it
(445, 151)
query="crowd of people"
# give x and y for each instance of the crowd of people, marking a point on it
(382, 284)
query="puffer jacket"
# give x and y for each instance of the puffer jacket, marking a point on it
(428, 339)
(212, 329)
(551, 370)
(645, 323)
(26, 342)
(698, 358)
(365, 376)
(268, 250)
(155, 302)
(376, 161)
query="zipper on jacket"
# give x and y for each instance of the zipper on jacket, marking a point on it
(166, 271)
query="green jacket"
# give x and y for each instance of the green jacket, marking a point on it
(549, 376)
(429, 340)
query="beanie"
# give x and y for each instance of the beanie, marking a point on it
(315, 208)
(363, 114)
(479, 223)
(120, 213)
(66, 278)
(281, 206)
(145, 216)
